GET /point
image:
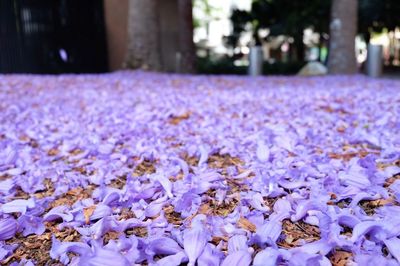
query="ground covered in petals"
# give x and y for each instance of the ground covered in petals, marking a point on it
(136, 168)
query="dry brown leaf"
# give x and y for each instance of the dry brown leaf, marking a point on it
(175, 120)
(205, 209)
(246, 224)
(340, 258)
(341, 129)
(87, 212)
(53, 152)
(297, 232)
(217, 239)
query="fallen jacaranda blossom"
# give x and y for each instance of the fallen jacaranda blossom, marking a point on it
(134, 168)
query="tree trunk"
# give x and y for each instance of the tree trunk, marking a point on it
(143, 51)
(299, 44)
(186, 45)
(343, 30)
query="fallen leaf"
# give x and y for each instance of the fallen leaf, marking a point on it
(340, 258)
(246, 224)
(87, 212)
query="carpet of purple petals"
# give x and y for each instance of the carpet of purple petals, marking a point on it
(135, 168)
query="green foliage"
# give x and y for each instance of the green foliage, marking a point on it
(219, 66)
(289, 17)
(283, 17)
(377, 15)
(208, 11)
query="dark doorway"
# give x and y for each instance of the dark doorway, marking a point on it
(52, 36)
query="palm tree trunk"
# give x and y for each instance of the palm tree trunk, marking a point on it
(143, 51)
(186, 45)
(343, 30)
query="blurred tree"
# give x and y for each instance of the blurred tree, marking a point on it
(208, 13)
(186, 45)
(376, 15)
(343, 30)
(239, 19)
(282, 17)
(143, 36)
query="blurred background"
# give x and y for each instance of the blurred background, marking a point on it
(199, 36)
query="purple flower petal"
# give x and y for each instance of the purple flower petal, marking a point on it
(163, 246)
(348, 220)
(364, 228)
(105, 149)
(184, 167)
(258, 203)
(395, 187)
(236, 243)
(194, 241)
(20, 206)
(165, 183)
(266, 257)
(355, 177)
(188, 204)
(101, 227)
(203, 155)
(393, 245)
(101, 211)
(111, 198)
(239, 258)
(374, 259)
(282, 209)
(155, 207)
(6, 186)
(131, 223)
(305, 259)
(6, 250)
(303, 207)
(176, 259)
(31, 225)
(9, 155)
(322, 247)
(211, 256)
(3, 253)
(391, 171)
(262, 152)
(59, 249)
(8, 228)
(59, 212)
(103, 257)
(269, 232)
